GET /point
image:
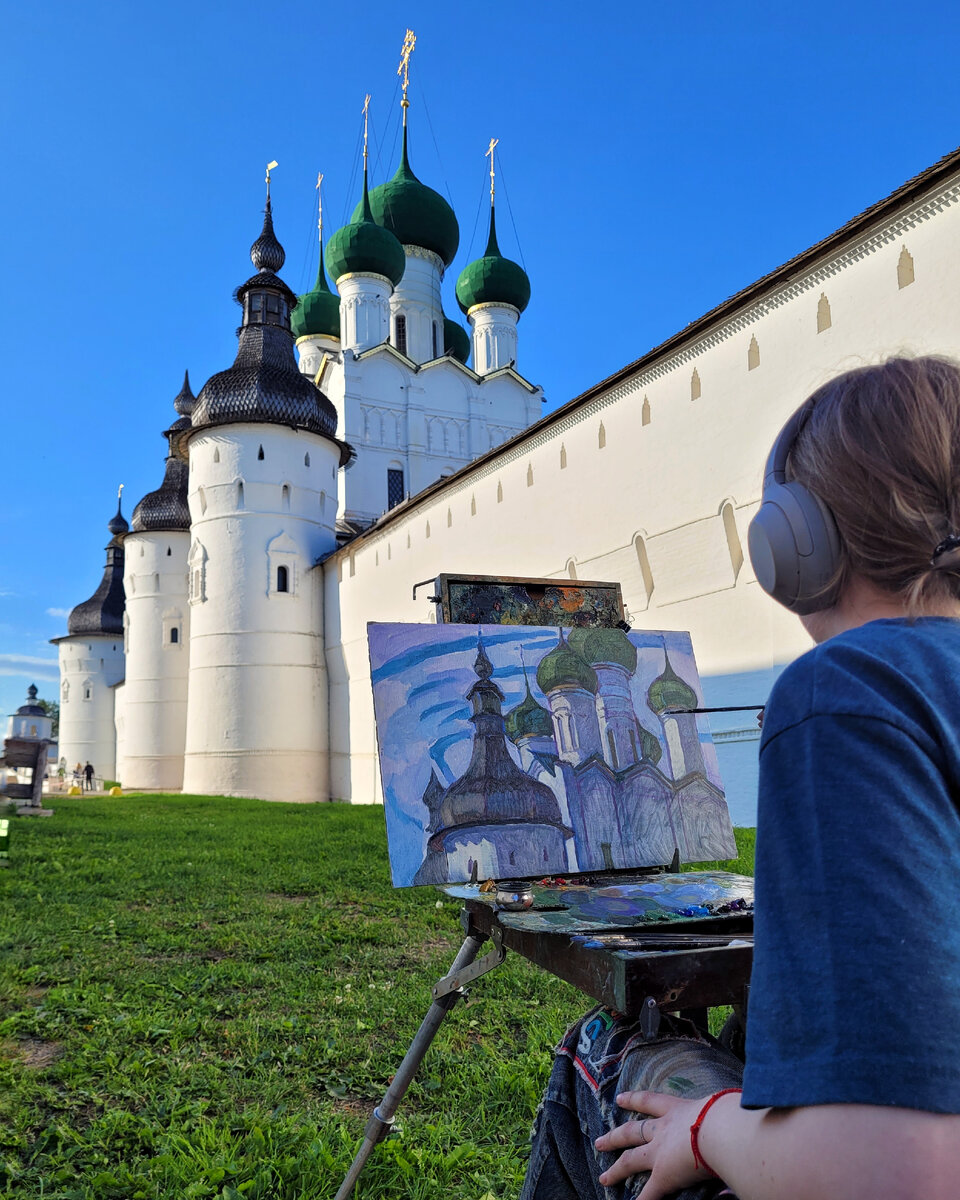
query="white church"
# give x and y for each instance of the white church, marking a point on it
(363, 442)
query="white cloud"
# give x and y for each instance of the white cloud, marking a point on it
(29, 664)
(58, 612)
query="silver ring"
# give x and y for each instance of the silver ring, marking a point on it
(643, 1132)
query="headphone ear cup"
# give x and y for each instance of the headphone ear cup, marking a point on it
(794, 547)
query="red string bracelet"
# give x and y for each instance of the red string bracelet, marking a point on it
(698, 1159)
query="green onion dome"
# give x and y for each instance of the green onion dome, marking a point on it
(493, 279)
(365, 248)
(456, 340)
(414, 213)
(669, 691)
(317, 311)
(597, 646)
(649, 745)
(528, 719)
(563, 667)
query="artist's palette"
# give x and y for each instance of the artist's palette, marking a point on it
(624, 905)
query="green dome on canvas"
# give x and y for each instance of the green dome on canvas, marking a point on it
(669, 691)
(317, 311)
(604, 646)
(528, 719)
(456, 340)
(493, 279)
(563, 667)
(365, 248)
(414, 213)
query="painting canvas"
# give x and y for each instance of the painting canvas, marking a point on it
(517, 752)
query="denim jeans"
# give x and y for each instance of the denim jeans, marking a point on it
(601, 1055)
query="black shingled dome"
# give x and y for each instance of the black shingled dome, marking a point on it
(167, 507)
(103, 612)
(264, 384)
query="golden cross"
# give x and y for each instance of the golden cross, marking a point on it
(366, 114)
(270, 166)
(409, 41)
(119, 493)
(489, 152)
(320, 207)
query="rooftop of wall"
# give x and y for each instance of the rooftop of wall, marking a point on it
(930, 180)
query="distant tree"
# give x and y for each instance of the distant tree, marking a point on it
(52, 709)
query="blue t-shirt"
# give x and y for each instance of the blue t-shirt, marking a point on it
(855, 994)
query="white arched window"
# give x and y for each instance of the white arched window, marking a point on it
(282, 556)
(197, 567)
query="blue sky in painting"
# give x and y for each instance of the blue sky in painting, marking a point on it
(421, 675)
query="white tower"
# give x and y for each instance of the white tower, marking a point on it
(366, 261)
(263, 471)
(91, 665)
(672, 700)
(493, 291)
(157, 626)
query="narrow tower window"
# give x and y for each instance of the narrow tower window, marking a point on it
(449, 518)
(601, 437)
(753, 354)
(473, 506)
(530, 475)
(695, 385)
(824, 320)
(174, 635)
(283, 579)
(201, 496)
(260, 454)
(169, 552)
(571, 569)
(563, 457)
(499, 493)
(240, 494)
(285, 497)
(436, 339)
(400, 333)
(394, 487)
(905, 268)
(428, 529)
(306, 460)
(645, 412)
(216, 454)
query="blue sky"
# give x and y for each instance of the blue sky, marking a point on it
(656, 159)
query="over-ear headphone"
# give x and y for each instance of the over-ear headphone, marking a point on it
(793, 539)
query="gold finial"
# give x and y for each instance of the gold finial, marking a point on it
(409, 41)
(366, 114)
(270, 166)
(489, 153)
(320, 208)
(119, 493)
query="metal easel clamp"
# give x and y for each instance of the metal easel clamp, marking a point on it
(455, 981)
(378, 1128)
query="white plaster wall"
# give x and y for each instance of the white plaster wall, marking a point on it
(364, 310)
(257, 697)
(87, 724)
(665, 482)
(154, 703)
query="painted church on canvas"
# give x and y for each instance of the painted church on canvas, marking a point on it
(523, 752)
(364, 441)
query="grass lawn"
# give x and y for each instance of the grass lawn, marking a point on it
(203, 997)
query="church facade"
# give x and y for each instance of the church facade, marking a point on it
(225, 651)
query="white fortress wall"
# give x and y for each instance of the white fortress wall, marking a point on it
(652, 480)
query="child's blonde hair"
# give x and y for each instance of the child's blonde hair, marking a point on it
(881, 448)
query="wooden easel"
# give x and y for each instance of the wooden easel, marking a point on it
(684, 964)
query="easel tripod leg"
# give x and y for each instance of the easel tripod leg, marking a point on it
(380, 1123)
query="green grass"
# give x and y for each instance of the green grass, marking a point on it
(204, 998)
